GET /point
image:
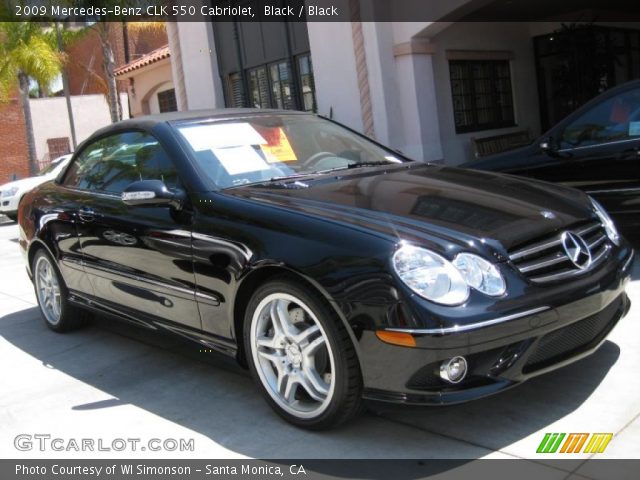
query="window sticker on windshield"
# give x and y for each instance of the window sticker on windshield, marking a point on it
(221, 135)
(240, 159)
(634, 129)
(278, 148)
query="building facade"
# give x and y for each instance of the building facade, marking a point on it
(429, 89)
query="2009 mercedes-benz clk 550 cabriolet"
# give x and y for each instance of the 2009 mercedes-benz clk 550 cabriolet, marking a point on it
(332, 267)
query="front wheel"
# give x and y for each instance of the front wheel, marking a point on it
(301, 356)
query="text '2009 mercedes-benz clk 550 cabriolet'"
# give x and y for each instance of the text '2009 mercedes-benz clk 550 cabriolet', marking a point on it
(332, 267)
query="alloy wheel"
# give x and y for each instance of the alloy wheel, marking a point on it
(292, 355)
(48, 290)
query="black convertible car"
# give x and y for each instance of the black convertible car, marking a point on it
(332, 267)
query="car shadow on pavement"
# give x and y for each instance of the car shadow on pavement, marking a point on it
(209, 395)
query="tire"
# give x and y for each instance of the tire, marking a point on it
(52, 294)
(13, 217)
(301, 356)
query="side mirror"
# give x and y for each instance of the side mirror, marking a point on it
(546, 145)
(152, 193)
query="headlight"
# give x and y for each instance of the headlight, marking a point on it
(430, 276)
(607, 222)
(480, 274)
(10, 192)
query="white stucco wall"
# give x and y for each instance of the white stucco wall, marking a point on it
(147, 82)
(334, 71)
(514, 37)
(202, 81)
(50, 118)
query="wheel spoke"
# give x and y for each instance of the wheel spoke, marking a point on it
(283, 380)
(280, 318)
(304, 337)
(309, 351)
(312, 375)
(274, 358)
(290, 389)
(267, 342)
(309, 387)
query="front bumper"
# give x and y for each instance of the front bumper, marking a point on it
(499, 355)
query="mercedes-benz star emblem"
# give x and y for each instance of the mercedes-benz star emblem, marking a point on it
(576, 249)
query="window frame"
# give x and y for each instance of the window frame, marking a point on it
(580, 113)
(174, 101)
(476, 126)
(245, 96)
(91, 141)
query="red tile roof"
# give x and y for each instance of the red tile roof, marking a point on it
(151, 57)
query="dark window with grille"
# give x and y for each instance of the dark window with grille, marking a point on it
(307, 87)
(259, 88)
(167, 101)
(275, 85)
(235, 92)
(482, 95)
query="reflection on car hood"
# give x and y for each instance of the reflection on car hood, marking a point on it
(410, 201)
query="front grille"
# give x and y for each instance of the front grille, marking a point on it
(546, 260)
(573, 339)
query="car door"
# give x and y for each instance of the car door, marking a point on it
(598, 151)
(137, 258)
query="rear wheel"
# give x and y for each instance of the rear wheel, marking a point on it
(301, 356)
(51, 293)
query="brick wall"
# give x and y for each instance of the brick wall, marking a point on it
(13, 141)
(84, 66)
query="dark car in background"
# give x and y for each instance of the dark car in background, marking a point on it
(332, 267)
(595, 149)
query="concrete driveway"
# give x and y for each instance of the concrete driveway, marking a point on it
(111, 381)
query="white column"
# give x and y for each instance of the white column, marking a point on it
(334, 72)
(417, 94)
(176, 65)
(203, 85)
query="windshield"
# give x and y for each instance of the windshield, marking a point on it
(49, 168)
(267, 147)
(57, 164)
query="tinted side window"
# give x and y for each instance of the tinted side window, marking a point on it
(111, 163)
(617, 118)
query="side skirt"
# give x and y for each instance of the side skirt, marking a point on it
(222, 345)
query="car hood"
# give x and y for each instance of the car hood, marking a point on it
(503, 162)
(415, 201)
(25, 183)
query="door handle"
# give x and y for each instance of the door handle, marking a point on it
(87, 214)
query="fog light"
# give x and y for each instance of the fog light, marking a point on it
(453, 370)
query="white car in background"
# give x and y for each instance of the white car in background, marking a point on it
(11, 193)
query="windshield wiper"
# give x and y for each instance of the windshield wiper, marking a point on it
(289, 177)
(355, 165)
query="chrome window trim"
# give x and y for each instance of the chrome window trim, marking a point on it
(472, 326)
(596, 145)
(615, 190)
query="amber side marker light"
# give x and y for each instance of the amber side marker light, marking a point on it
(396, 338)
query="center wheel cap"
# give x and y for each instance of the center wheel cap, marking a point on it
(293, 354)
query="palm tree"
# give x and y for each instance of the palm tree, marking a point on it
(104, 31)
(27, 51)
